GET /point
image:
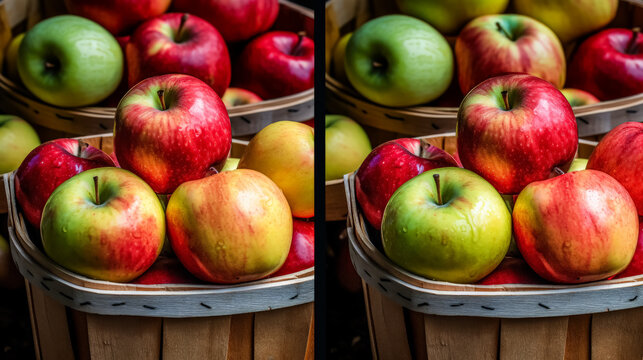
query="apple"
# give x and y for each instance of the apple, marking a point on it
(178, 43)
(492, 45)
(285, 152)
(515, 129)
(578, 164)
(230, 227)
(397, 60)
(302, 249)
(339, 53)
(609, 64)
(569, 19)
(236, 20)
(17, 139)
(577, 97)
(347, 145)
(636, 265)
(447, 224)
(390, 165)
(237, 96)
(53, 61)
(49, 165)
(512, 271)
(310, 123)
(10, 277)
(119, 17)
(166, 270)
(619, 155)
(576, 227)
(448, 16)
(170, 129)
(121, 89)
(11, 58)
(230, 164)
(276, 64)
(114, 159)
(104, 223)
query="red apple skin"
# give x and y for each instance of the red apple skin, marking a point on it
(236, 20)
(310, 123)
(620, 155)
(390, 165)
(169, 147)
(277, 64)
(512, 148)
(166, 270)
(512, 271)
(302, 248)
(203, 54)
(577, 227)
(237, 96)
(636, 265)
(603, 67)
(118, 16)
(48, 166)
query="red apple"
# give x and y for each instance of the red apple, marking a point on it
(302, 249)
(48, 166)
(276, 64)
(166, 270)
(237, 96)
(515, 129)
(636, 265)
(310, 123)
(620, 154)
(512, 271)
(118, 16)
(178, 43)
(170, 129)
(576, 227)
(609, 64)
(492, 45)
(236, 20)
(389, 166)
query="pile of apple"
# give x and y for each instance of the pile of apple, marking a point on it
(454, 218)
(107, 216)
(104, 48)
(401, 60)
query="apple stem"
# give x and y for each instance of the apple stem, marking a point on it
(631, 46)
(49, 65)
(161, 94)
(502, 30)
(377, 65)
(184, 19)
(558, 171)
(300, 39)
(505, 98)
(96, 190)
(81, 147)
(436, 178)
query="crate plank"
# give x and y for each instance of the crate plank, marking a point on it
(417, 336)
(282, 333)
(124, 337)
(49, 321)
(578, 334)
(461, 337)
(310, 345)
(387, 324)
(241, 337)
(537, 338)
(196, 338)
(79, 332)
(618, 335)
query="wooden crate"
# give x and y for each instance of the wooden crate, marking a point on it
(74, 317)
(411, 317)
(54, 122)
(385, 123)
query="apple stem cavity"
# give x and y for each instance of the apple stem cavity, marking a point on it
(436, 178)
(81, 147)
(96, 190)
(631, 46)
(184, 19)
(502, 30)
(505, 98)
(161, 94)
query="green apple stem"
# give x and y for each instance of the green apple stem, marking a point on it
(505, 98)
(502, 30)
(81, 147)
(161, 94)
(301, 35)
(631, 46)
(436, 178)
(96, 190)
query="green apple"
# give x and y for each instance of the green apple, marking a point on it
(11, 58)
(17, 139)
(578, 164)
(347, 145)
(569, 19)
(339, 53)
(447, 224)
(578, 97)
(105, 223)
(70, 61)
(448, 16)
(397, 60)
(230, 164)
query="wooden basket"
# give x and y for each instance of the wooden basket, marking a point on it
(77, 317)
(343, 16)
(336, 209)
(55, 122)
(412, 317)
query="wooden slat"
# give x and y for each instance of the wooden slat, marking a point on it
(282, 333)
(389, 329)
(79, 334)
(32, 317)
(461, 337)
(196, 338)
(240, 344)
(310, 345)
(336, 208)
(49, 321)
(369, 318)
(578, 336)
(417, 337)
(124, 337)
(618, 335)
(540, 338)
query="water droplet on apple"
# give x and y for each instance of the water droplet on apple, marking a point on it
(404, 229)
(567, 245)
(64, 229)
